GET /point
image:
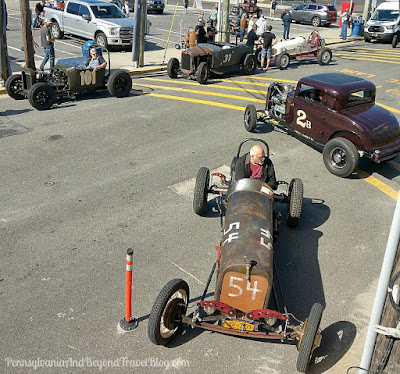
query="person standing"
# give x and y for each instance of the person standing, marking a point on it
(201, 35)
(39, 7)
(274, 3)
(261, 25)
(186, 6)
(125, 8)
(269, 39)
(346, 17)
(243, 26)
(250, 24)
(287, 20)
(252, 37)
(47, 43)
(213, 16)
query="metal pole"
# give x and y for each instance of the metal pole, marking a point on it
(387, 266)
(136, 33)
(170, 30)
(142, 32)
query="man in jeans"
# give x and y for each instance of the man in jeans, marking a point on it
(47, 43)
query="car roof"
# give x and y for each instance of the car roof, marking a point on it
(340, 82)
(91, 2)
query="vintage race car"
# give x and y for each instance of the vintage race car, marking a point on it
(247, 6)
(299, 48)
(218, 58)
(335, 113)
(247, 300)
(68, 78)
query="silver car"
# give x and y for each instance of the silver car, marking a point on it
(314, 13)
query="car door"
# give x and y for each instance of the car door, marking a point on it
(70, 18)
(298, 12)
(306, 112)
(84, 23)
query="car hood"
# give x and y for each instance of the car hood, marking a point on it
(110, 22)
(380, 124)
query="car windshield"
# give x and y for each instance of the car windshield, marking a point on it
(359, 97)
(107, 11)
(385, 15)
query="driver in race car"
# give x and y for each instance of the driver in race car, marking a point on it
(255, 165)
(95, 62)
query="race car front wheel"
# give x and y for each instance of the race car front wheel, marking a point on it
(324, 56)
(166, 315)
(119, 84)
(282, 61)
(202, 73)
(310, 338)
(250, 118)
(173, 67)
(14, 87)
(295, 205)
(41, 96)
(201, 191)
(340, 157)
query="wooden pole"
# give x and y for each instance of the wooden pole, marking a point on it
(26, 24)
(5, 70)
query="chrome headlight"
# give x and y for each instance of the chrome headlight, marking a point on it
(114, 30)
(391, 27)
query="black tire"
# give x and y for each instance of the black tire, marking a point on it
(282, 61)
(41, 96)
(306, 343)
(202, 73)
(327, 24)
(101, 40)
(119, 84)
(340, 157)
(201, 191)
(250, 118)
(316, 21)
(367, 39)
(14, 87)
(395, 40)
(166, 315)
(324, 56)
(173, 67)
(249, 64)
(295, 205)
(56, 30)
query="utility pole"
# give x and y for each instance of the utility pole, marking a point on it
(136, 33)
(142, 33)
(5, 70)
(26, 24)
(225, 21)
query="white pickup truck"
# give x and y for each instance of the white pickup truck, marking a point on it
(92, 19)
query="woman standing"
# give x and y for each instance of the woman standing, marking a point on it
(243, 26)
(250, 25)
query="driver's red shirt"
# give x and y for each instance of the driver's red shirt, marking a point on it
(255, 171)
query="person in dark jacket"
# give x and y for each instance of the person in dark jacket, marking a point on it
(255, 165)
(287, 20)
(252, 37)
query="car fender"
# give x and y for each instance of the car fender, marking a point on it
(356, 139)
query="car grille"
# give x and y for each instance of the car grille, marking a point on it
(376, 29)
(126, 33)
(186, 61)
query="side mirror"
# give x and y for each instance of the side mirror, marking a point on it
(86, 17)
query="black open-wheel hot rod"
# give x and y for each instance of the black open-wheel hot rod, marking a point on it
(248, 300)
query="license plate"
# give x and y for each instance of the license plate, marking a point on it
(239, 325)
(374, 34)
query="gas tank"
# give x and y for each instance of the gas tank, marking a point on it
(246, 263)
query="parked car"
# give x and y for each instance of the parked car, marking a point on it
(248, 300)
(314, 13)
(249, 7)
(218, 58)
(92, 19)
(68, 78)
(335, 113)
(157, 6)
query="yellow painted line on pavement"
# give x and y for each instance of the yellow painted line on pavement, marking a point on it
(369, 55)
(363, 59)
(274, 79)
(185, 82)
(378, 184)
(236, 97)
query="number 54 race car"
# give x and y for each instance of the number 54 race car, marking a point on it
(69, 77)
(248, 299)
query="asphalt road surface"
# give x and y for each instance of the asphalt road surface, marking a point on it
(94, 176)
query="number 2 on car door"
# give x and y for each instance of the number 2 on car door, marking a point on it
(302, 119)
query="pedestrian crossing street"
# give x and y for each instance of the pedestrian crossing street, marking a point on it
(235, 93)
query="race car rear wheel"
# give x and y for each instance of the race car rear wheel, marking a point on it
(316, 21)
(309, 338)
(324, 56)
(295, 205)
(395, 40)
(201, 191)
(340, 157)
(173, 67)
(41, 96)
(250, 118)
(202, 73)
(119, 84)
(166, 315)
(249, 64)
(14, 87)
(282, 61)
